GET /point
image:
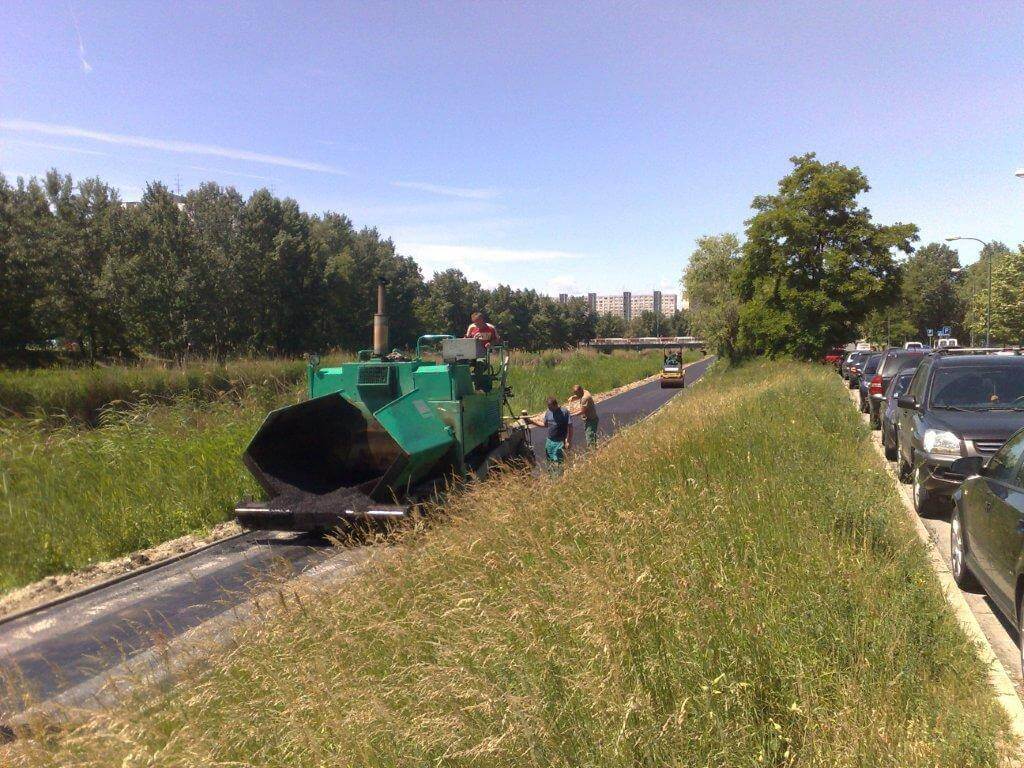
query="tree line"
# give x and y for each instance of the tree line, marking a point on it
(214, 274)
(816, 271)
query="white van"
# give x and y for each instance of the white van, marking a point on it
(948, 343)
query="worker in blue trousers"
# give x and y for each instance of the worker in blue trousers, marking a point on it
(559, 441)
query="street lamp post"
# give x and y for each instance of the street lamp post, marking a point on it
(960, 271)
(988, 312)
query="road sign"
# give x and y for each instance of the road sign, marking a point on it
(946, 330)
(931, 332)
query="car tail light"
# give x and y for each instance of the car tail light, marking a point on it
(875, 387)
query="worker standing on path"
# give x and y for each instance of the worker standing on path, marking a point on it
(559, 426)
(588, 412)
(481, 329)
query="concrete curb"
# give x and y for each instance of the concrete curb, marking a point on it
(999, 680)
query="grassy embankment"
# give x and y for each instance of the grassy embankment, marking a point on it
(731, 583)
(71, 496)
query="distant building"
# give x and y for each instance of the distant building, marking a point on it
(179, 202)
(629, 305)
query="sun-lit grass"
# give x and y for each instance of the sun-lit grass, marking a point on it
(730, 583)
(72, 495)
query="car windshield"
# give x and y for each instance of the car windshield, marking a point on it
(872, 364)
(897, 361)
(978, 387)
(899, 385)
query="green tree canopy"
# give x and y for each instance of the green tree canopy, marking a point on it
(710, 281)
(930, 296)
(1007, 301)
(814, 263)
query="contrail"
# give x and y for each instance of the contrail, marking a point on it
(86, 66)
(164, 145)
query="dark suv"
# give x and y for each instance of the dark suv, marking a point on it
(893, 361)
(957, 405)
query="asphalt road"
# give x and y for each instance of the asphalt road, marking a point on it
(60, 649)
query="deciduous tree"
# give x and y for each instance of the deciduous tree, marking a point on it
(814, 262)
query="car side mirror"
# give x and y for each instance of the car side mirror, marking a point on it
(967, 466)
(907, 401)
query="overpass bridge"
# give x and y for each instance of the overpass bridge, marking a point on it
(644, 342)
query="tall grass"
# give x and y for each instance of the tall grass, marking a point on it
(84, 393)
(731, 583)
(70, 496)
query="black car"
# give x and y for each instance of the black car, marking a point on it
(855, 366)
(956, 405)
(987, 528)
(870, 367)
(893, 361)
(897, 387)
(844, 365)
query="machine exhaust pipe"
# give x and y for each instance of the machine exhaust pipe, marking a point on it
(380, 322)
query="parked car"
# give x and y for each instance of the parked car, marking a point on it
(855, 366)
(893, 361)
(956, 406)
(870, 367)
(834, 356)
(844, 365)
(986, 531)
(897, 387)
(913, 345)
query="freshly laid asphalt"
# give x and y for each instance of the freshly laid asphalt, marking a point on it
(56, 649)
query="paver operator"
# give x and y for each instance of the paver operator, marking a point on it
(481, 329)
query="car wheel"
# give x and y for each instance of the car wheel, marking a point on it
(958, 553)
(923, 502)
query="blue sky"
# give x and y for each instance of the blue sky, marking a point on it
(560, 146)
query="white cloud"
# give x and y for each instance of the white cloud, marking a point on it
(163, 145)
(434, 254)
(466, 193)
(564, 284)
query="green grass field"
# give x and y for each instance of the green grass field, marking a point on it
(730, 583)
(72, 495)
